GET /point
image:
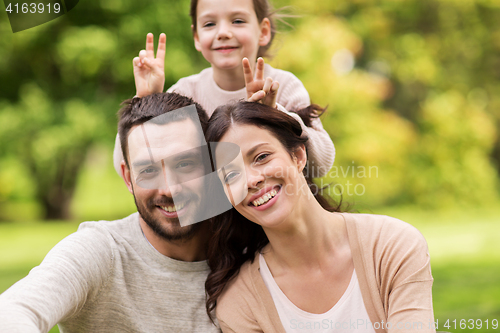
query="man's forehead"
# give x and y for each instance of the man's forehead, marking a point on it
(153, 142)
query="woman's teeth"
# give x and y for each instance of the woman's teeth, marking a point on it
(171, 209)
(265, 198)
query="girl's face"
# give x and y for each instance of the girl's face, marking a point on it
(227, 31)
(272, 175)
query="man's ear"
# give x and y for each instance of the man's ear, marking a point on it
(265, 32)
(197, 44)
(126, 175)
(300, 157)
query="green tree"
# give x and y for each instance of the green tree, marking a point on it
(62, 83)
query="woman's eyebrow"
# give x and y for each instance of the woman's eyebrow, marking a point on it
(254, 148)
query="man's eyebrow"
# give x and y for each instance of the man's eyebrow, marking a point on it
(187, 154)
(140, 163)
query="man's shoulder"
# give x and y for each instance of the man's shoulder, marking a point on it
(119, 226)
(106, 233)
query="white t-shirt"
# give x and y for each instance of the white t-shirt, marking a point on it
(347, 315)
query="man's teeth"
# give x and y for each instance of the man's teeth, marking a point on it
(171, 209)
(265, 198)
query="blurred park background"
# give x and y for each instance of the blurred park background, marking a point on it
(413, 95)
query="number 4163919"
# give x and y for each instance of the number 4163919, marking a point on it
(33, 8)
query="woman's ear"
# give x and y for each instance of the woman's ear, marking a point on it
(300, 157)
(265, 32)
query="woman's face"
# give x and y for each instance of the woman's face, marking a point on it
(271, 175)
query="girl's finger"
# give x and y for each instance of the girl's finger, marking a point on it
(274, 87)
(142, 55)
(257, 96)
(160, 54)
(137, 62)
(259, 71)
(150, 46)
(247, 71)
(267, 84)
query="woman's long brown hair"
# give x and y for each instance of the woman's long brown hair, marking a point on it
(236, 239)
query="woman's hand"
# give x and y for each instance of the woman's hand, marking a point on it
(258, 89)
(149, 72)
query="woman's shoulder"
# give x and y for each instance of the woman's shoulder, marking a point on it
(381, 228)
(242, 286)
(389, 248)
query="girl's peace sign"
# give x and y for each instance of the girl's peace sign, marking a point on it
(149, 72)
(258, 89)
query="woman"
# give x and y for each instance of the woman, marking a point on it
(283, 260)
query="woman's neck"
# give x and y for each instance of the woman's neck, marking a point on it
(309, 238)
(229, 79)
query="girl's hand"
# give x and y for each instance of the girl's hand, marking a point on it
(149, 72)
(258, 89)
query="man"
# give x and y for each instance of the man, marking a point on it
(146, 272)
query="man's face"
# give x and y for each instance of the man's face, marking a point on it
(166, 176)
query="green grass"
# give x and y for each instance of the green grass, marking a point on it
(464, 247)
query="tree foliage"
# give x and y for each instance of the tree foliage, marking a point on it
(413, 89)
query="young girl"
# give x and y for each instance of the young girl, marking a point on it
(225, 32)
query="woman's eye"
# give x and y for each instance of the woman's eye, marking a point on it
(261, 157)
(231, 177)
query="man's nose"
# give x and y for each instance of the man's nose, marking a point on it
(170, 185)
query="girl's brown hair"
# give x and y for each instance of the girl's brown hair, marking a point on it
(262, 9)
(235, 239)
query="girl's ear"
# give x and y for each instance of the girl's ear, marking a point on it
(300, 157)
(196, 39)
(265, 32)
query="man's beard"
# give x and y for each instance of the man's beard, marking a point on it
(179, 233)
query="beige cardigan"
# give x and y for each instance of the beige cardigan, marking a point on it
(392, 263)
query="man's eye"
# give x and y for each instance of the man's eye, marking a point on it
(231, 177)
(184, 164)
(149, 171)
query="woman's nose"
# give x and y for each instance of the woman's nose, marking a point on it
(254, 178)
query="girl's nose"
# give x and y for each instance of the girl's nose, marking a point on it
(224, 31)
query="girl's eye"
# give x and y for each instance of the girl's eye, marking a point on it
(208, 24)
(231, 177)
(238, 21)
(261, 157)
